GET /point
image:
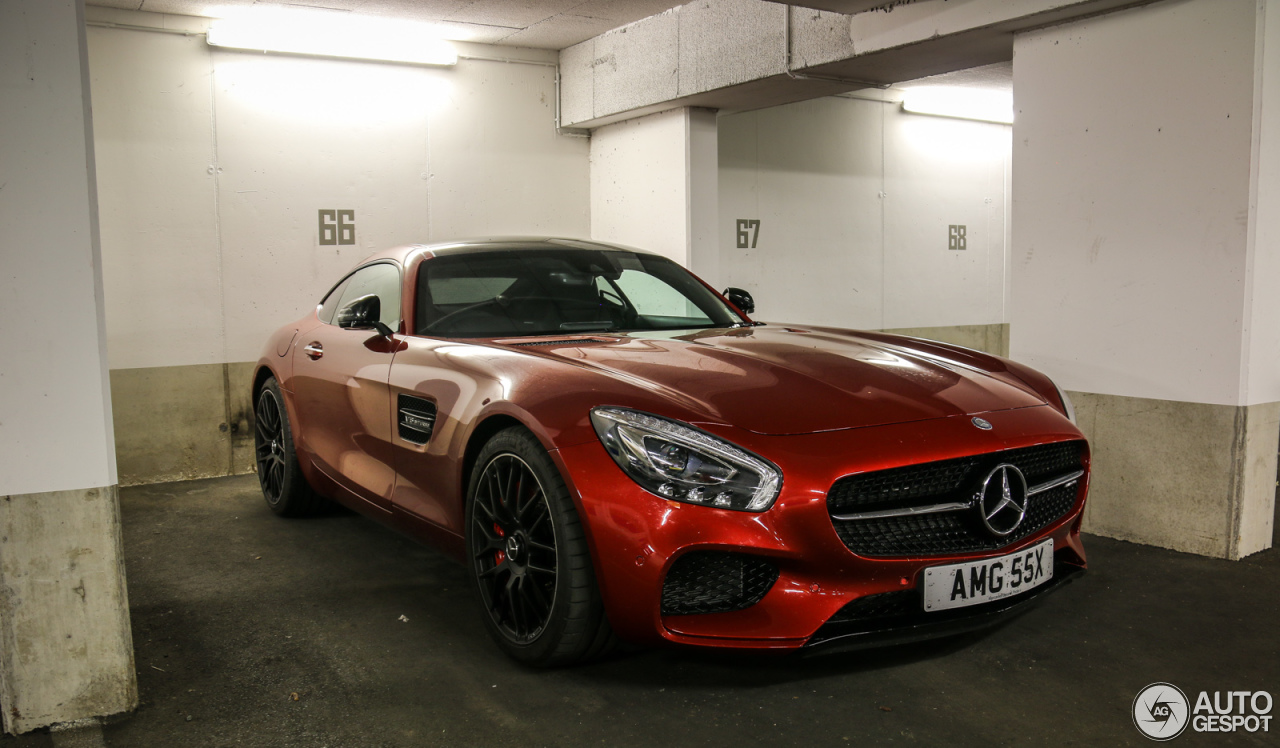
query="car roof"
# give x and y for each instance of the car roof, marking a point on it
(497, 244)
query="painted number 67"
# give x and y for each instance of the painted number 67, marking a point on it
(748, 233)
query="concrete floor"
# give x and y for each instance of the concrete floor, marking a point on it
(252, 630)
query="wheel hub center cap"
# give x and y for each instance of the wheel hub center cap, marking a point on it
(515, 548)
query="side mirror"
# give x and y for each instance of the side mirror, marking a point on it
(739, 298)
(365, 313)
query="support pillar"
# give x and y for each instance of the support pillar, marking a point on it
(654, 185)
(1146, 258)
(66, 652)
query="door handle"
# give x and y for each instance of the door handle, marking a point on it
(313, 350)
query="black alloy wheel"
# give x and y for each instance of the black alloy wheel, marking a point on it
(527, 553)
(514, 547)
(283, 485)
(269, 446)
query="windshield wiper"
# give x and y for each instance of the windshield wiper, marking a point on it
(594, 326)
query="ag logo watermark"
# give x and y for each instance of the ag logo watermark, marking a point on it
(1161, 711)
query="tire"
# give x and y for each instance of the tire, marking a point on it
(283, 484)
(527, 557)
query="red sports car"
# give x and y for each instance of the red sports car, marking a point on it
(614, 449)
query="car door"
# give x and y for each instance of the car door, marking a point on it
(439, 385)
(340, 388)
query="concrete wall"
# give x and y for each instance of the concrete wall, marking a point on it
(65, 646)
(1136, 260)
(855, 199)
(212, 167)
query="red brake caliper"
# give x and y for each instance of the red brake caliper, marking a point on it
(500, 556)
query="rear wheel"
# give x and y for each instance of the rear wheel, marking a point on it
(528, 556)
(283, 485)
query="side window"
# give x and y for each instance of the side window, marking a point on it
(654, 297)
(382, 280)
(329, 306)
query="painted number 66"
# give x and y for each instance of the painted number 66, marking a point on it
(337, 227)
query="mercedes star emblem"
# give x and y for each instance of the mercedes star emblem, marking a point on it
(982, 423)
(1002, 500)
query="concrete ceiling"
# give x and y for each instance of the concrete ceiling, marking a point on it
(547, 24)
(997, 77)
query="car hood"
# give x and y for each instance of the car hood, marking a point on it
(786, 380)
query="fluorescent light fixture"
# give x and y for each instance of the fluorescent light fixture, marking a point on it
(329, 34)
(980, 104)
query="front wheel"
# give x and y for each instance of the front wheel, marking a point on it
(283, 484)
(528, 557)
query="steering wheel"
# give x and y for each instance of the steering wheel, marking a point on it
(464, 310)
(506, 301)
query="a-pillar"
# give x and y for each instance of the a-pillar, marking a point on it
(1146, 260)
(654, 186)
(65, 648)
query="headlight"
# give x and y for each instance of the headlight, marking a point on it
(1068, 407)
(679, 462)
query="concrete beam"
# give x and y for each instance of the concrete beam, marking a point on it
(935, 36)
(849, 7)
(751, 54)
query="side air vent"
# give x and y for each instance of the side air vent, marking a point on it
(417, 418)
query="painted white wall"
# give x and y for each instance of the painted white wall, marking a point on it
(939, 172)
(213, 165)
(855, 198)
(55, 412)
(1131, 215)
(639, 186)
(702, 180)
(1261, 376)
(153, 134)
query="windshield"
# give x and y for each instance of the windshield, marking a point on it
(561, 291)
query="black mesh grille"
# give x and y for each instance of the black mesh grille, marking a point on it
(947, 481)
(902, 486)
(714, 582)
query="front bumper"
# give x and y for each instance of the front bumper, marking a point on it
(910, 623)
(636, 537)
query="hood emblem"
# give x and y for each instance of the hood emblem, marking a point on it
(1002, 500)
(982, 423)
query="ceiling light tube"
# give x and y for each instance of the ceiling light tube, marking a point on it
(961, 103)
(345, 36)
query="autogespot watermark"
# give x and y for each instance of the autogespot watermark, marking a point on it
(1161, 711)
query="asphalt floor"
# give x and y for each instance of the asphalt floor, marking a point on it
(251, 630)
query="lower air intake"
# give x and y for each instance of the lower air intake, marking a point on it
(715, 582)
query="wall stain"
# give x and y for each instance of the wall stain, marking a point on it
(1097, 246)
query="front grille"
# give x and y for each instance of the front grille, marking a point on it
(942, 482)
(716, 582)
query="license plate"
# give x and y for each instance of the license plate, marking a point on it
(977, 582)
